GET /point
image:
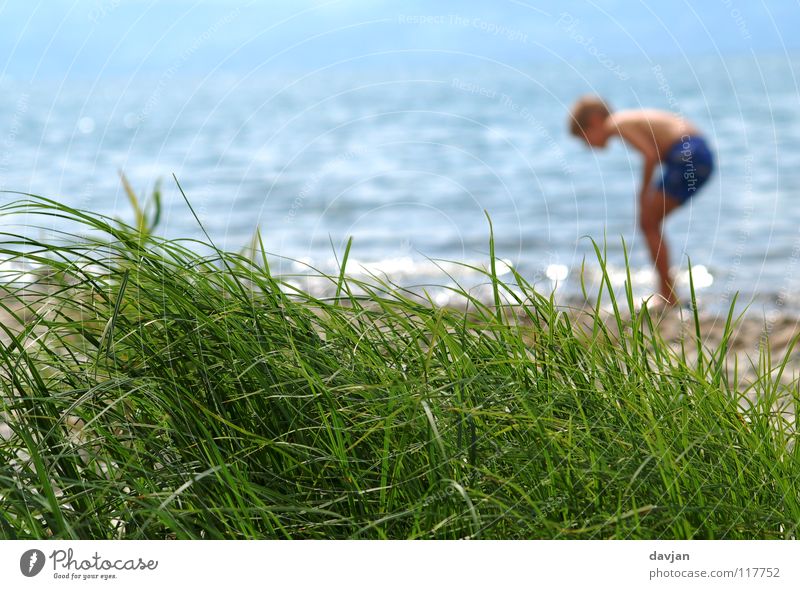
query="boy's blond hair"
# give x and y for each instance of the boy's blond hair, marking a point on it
(583, 110)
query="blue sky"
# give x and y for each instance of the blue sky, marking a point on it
(58, 38)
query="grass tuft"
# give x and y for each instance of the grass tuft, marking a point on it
(150, 391)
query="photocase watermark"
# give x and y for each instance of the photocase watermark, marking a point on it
(790, 267)
(744, 234)
(521, 111)
(570, 24)
(738, 19)
(687, 157)
(155, 97)
(543, 510)
(539, 129)
(10, 140)
(551, 505)
(440, 496)
(31, 562)
(201, 206)
(666, 89)
(316, 177)
(473, 88)
(102, 8)
(479, 24)
(66, 565)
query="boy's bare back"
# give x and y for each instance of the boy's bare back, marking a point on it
(660, 129)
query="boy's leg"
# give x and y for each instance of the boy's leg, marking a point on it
(657, 206)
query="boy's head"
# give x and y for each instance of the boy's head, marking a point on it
(587, 120)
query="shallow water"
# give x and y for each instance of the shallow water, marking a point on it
(406, 162)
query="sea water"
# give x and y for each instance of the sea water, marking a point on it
(407, 161)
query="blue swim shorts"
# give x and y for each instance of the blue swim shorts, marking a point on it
(686, 167)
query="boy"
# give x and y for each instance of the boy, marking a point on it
(661, 137)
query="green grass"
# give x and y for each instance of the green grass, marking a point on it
(183, 395)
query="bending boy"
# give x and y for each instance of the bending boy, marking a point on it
(662, 138)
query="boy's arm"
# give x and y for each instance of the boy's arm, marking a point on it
(646, 145)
